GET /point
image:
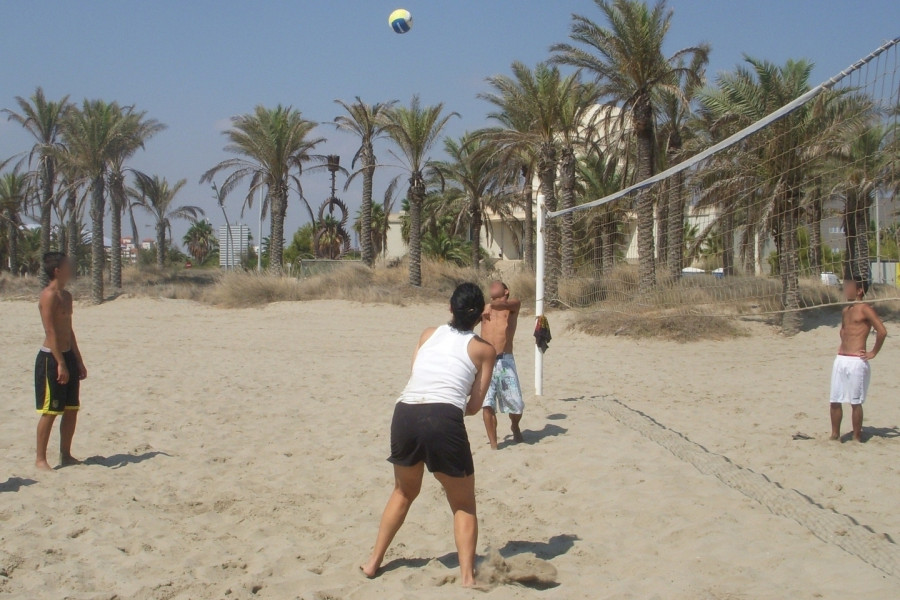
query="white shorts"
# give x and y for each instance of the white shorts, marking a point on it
(849, 379)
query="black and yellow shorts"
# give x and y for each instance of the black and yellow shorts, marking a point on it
(52, 397)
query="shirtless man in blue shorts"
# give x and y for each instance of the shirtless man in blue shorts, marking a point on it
(498, 328)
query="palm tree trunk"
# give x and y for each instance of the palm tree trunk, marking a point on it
(528, 201)
(47, 178)
(856, 237)
(791, 319)
(547, 179)
(814, 210)
(117, 202)
(161, 244)
(643, 129)
(98, 253)
(12, 242)
(476, 233)
(675, 250)
(416, 199)
(609, 240)
(862, 239)
(365, 238)
(727, 226)
(662, 223)
(567, 183)
(73, 235)
(384, 229)
(276, 236)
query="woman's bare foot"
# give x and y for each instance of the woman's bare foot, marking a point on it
(468, 580)
(834, 437)
(43, 465)
(370, 569)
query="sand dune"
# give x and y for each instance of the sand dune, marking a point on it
(237, 454)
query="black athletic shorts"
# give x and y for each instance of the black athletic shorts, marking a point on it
(52, 397)
(433, 433)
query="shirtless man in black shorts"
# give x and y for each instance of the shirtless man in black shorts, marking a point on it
(59, 368)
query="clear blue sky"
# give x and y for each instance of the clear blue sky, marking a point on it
(193, 64)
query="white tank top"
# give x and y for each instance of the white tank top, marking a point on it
(442, 373)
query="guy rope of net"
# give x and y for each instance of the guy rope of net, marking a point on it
(780, 190)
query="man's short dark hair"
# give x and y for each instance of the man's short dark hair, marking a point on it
(53, 261)
(861, 284)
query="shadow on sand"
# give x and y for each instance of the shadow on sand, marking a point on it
(404, 563)
(532, 437)
(14, 484)
(117, 461)
(555, 546)
(873, 432)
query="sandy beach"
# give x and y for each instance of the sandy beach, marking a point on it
(237, 454)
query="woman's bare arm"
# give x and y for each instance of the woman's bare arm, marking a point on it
(484, 356)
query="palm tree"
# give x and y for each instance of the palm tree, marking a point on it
(376, 228)
(443, 247)
(870, 166)
(628, 61)
(575, 128)
(137, 129)
(43, 120)
(364, 121)
(14, 189)
(601, 174)
(474, 168)
(72, 185)
(536, 97)
(676, 128)
(93, 136)
(415, 129)
(155, 196)
(200, 241)
(783, 156)
(272, 145)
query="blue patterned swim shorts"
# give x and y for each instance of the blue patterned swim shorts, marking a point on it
(505, 394)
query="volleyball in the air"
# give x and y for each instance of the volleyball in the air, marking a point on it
(400, 20)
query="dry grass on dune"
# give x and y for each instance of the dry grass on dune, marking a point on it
(351, 282)
(694, 308)
(19, 288)
(149, 282)
(355, 283)
(705, 294)
(676, 328)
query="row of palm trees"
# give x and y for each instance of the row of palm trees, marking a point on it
(80, 157)
(621, 111)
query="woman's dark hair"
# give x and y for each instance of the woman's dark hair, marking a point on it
(466, 305)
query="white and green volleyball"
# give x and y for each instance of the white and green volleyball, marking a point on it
(400, 20)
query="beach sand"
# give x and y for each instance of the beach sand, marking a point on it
(237, 454)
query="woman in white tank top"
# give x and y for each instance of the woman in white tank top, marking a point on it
(451, 373)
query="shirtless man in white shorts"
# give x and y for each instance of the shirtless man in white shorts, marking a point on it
(851, 371)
